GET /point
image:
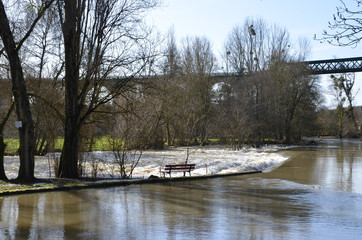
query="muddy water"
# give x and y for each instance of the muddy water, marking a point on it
(317, 194)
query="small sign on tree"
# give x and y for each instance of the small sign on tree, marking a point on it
(18, 124)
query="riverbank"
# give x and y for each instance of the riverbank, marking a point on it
(53, 184)
(100, 169)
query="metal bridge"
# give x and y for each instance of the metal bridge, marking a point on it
(341, 65)
(329, 66)
(316, 67)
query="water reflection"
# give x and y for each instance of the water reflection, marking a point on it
(336, 165)
(315, 195)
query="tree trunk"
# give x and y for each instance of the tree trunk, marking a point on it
(22, 105)
(340, 121)
(168, 131)
(2, 143)
(2, 153)
(353, 118)
(288, 132)
(69, 158)
(68, 166)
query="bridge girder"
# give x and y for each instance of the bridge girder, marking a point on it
(330, 66)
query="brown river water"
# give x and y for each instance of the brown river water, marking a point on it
(316, 194)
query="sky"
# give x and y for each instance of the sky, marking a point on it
(214, 19)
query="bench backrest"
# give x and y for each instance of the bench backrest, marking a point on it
(180, 167)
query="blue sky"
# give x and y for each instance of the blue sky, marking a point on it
(215, 19)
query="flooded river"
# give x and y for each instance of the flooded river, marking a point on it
(316, 194)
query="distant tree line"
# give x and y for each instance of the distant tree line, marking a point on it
(273, 97)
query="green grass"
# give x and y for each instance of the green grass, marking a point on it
(13, 187)
(99, 144)
(12, 146)
(9, 187)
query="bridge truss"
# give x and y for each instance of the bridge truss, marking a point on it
(341, 65)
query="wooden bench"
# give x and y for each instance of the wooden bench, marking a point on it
(178, 168)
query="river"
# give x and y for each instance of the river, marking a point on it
(316, 194)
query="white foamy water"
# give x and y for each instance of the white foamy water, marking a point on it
(208, 160)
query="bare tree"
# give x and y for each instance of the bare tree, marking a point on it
(337, 91)
(326, 120)
(295, 89)
(246, 46)
(345, 30)
(231, 119)
(2, 143)
(343, 86)
(168, 88)
(137, 128)
(346, 27)
(41, 68)
(251, 49)
(197, 64)
(101, 39)
(22, 105)
(276, 88)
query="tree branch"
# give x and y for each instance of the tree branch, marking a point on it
(41, 12)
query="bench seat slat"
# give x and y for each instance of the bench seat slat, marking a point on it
(181, 165)
(178, 170)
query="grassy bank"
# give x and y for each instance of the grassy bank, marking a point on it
(48, 185)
